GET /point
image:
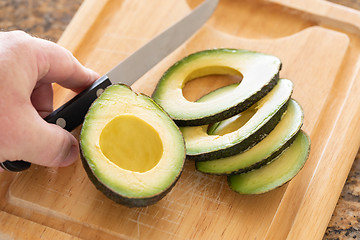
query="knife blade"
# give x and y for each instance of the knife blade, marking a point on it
(72, 113)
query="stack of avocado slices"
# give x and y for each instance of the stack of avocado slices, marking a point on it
(249, 131)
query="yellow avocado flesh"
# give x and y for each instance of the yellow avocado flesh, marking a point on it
(131, 143)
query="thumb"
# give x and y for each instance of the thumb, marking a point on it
(48, 144)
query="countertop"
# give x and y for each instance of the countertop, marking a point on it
(48, 19)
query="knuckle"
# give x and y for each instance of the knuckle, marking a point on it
(19, 33)
(17, 37)
(16, 43)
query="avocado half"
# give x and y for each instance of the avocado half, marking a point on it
(259, 74)
(131, 149)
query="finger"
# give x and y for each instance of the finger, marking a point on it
(45, 144)
(57, 64)
(31, 59)
(42, 99)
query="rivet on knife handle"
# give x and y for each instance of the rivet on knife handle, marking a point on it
(72, 113)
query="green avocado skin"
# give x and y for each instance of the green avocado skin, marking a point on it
(280, 182)
(251, 141)
(258, 164)
(267, 160)
(129, 202)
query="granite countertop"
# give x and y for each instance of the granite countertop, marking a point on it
(42, 18)
(48, 19)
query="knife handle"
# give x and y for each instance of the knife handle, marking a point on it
(15, 166)
(72, 113)
(68, 116)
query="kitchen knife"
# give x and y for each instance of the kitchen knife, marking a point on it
(72, 113)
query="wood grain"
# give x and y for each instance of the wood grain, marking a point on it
(27, 230)
(320, 57)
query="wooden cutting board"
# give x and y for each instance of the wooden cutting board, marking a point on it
(319, 45)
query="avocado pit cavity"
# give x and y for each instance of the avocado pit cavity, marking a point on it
(197, 84)
(232, 124)
(131, 143)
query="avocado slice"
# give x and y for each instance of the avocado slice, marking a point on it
(263, 152)
(276, 173)
(260, 120)
(259, 74)
(131, 149)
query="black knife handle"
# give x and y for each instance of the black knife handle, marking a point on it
(72, 113)
(15, 166)
(69, 116)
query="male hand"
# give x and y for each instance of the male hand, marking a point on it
(28, 67)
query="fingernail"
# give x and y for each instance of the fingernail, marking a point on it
(72, 156)
(93, 73)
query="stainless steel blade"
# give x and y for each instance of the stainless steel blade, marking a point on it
(137, 64)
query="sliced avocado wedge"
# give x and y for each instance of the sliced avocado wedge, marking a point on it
(259, 74)
(131, 149)
(263, 152)
(276, 173)
(260, 120)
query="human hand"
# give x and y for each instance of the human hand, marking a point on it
(28, 67)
